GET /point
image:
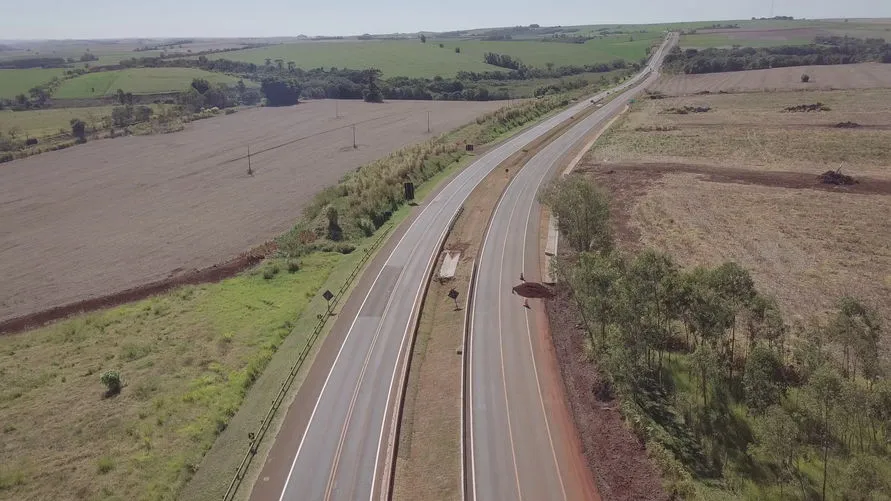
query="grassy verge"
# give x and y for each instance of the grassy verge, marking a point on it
(212, 479)
(187, 358)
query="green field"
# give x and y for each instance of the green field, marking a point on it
(48, 122)
(14, 82)
(720, 40)
(137, 81)
(414, 59)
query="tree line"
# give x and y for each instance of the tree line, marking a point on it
(344, 83)
(825, 51)
(712, 377)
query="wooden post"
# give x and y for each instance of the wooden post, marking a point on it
(250, 171)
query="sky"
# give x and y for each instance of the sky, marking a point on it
(61, 19)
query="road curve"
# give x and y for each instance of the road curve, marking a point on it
(519, 438)
(344, 439)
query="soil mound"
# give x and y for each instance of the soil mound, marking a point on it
(836, 177)
(533, 290)
(807, 108)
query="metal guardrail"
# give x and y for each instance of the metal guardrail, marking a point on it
(265, 423)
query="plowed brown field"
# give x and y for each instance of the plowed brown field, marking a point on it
(115, 214)
(847, 76)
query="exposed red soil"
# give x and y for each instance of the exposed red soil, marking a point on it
(618, 460)
(213, 273)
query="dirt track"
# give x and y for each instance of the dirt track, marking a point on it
(845, 76)
(115, 214)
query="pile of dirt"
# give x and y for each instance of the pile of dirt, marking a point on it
(533, 290)
(655, 128)
(806, 108)
(683, 110)
(836, 177)
(847, 125)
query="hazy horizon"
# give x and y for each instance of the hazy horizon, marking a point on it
(278, 18)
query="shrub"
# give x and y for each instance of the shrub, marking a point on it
(805, 78)
(79, 130)
(106, 464)
(31, 141)
(293, 266)
(112, 382)
(270, 271)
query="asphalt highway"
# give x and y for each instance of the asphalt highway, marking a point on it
(346, 436)
(519, 441)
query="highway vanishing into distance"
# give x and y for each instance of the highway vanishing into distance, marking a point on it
(520, 440)
(338, 436)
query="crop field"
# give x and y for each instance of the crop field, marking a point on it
(848, 76)
(740, 182)
(414, 59)
(14, 82)
(773, 33)
(137, 81)
(137, 209)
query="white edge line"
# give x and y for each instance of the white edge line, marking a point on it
(349, 332)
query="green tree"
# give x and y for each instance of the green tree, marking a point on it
(373, 93)
(291, 66)
(649, 303)
(280, 63)
(736, 288)
(122, 116)
(191, 100)
(823, 389)
(334, 231)
(762, 379)
(112, 382)
(863, 481)
(201, 85)
(423, 38)
(778, 439)
(268, 62)
(858, 330)
(79, 130)
(457, 50)
(280, 91)
(595, 282)
(582, 211)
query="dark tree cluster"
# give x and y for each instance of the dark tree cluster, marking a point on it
(683, 349)
(503, 61)
(33, 62)
(827, 51)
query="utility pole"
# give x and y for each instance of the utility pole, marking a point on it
(336, 109)
(428, 122)
(354, 137)
(250, 171)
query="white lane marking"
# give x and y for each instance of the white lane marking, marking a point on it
(473, 314)
(340, 350)
(402, 347)
(368, 295)
(510, 433)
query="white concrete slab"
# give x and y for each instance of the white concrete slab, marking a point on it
(449, 264)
